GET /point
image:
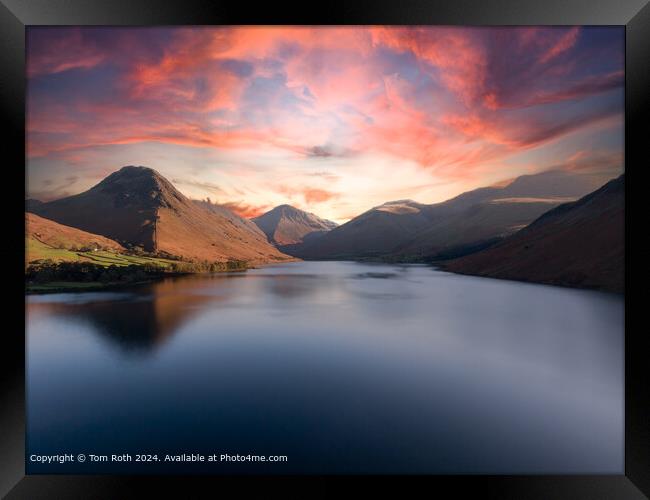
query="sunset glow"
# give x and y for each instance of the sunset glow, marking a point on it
(330, 120)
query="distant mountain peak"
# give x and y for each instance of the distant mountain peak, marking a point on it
(288, 225)
(290, 209)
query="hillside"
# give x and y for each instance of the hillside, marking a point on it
(576, 244)
(46, 239)
(56, 235)
(49, 241)
(136, 206)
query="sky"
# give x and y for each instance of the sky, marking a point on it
(332, 120)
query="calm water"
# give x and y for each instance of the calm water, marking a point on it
(340, 366)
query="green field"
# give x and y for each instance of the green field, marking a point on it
(51, 269)
(37, 250)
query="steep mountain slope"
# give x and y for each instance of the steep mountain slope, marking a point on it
(408, 230)
(576, 244)
(137, 206)
(289, 228)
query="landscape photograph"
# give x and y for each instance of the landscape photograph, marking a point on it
(325, 250)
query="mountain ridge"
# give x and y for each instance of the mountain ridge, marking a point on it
(580, 243)
(408, 230)
(137, 206)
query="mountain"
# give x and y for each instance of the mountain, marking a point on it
(289, 228)
(580, 244)
(373, 233)
(454, 231)
(407, 230)
(137, 206)
(44, 237)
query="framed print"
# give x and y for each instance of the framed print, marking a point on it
(381, 243)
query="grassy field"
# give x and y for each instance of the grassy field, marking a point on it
(37, 250)
(50, 269)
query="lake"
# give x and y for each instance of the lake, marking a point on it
(342, 367)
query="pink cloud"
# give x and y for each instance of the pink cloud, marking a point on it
(439, 97)
(454, 51)
(524, 134)
(588, 86)
(63, 53)
(564, 43)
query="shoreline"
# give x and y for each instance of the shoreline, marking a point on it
(62, 286)
(83, 286)
(441, 265)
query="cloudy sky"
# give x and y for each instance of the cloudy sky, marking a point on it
(331, 120)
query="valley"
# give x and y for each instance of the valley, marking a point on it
(135, 219)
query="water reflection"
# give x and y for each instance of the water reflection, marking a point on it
(292, 286)
(345, 367)
(138, 321)
(376, 275)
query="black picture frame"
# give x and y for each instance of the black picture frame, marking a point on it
(15, 15)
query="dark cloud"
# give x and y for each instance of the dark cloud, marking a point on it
(546, 65)
(543, 132)
(320, 152)
(239, 68)
(327, 151)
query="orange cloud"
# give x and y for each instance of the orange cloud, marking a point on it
(310, 194)
(245, 210)
(315, 195)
